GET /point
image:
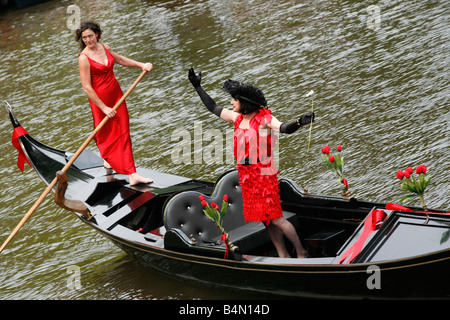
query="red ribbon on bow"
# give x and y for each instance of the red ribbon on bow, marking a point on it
(398, 207)
(224, 239)
(17, 133)
(370, 225)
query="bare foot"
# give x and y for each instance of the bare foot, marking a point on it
(137, 179)
(106, 165)
(303, 254)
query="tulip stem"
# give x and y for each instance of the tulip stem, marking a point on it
(310, 126)
(425, 208)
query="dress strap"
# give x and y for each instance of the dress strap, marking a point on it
(237, 121)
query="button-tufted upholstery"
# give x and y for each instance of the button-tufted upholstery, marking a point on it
(185, 211)
(189, 229)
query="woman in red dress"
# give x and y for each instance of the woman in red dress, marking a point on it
(253, 146)
(96, 62)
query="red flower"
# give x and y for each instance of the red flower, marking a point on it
(400, 174)
(326, 150)
(201, 197)
(421, 169)
(407, 174)
(225, 198)
(331, 158)
(339, 148)
(409, 170)
(214, 205)
(344, 181)
(204, 203)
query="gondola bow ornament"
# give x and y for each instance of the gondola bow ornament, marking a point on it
(17, 133)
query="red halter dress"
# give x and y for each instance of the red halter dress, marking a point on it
(113, 140)
(256, 169)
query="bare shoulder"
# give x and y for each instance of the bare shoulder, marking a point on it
(83, 59)
(107, 47)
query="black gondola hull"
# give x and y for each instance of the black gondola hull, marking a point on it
(134, 219)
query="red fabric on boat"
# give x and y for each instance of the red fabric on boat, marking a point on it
(258, 180)
(113, 140)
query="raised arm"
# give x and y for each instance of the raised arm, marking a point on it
(210, 104)
(289, 128)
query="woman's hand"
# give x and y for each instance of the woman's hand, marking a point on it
(110, 112)
(147, 67)
(195, 79)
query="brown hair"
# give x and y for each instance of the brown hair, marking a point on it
(85, 25)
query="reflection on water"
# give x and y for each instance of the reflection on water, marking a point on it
(381, 90)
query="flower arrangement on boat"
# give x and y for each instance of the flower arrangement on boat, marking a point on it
(335, 163)
(415, 185)
(213, 213)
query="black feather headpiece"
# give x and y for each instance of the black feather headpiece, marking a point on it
(247, 92)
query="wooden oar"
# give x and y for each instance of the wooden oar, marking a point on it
(67, 166)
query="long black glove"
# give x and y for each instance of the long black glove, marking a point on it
(294, 126)
(207, 100)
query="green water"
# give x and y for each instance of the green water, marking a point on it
(381, 87)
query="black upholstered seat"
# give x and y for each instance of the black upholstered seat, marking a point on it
(189, 229)
(185, 211)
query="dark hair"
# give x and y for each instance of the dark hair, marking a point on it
(247, 107)
(85, 25)
(250, 97)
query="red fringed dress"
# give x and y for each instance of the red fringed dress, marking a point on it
(113, 140)
(258, 178)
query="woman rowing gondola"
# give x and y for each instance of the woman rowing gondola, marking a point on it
(96, 62)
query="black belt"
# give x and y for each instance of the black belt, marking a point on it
(248, 161)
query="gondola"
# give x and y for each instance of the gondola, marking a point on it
(395, 254)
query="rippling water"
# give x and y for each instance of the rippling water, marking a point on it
(381, 90)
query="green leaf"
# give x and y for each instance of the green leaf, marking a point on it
(406, 185)
(338, 160)
(223, 210)
(407, 198)
(212, 214)
(418, 186)
(426, 180)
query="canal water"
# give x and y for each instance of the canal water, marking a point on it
(379, 71)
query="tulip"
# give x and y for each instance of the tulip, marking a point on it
(339, 148)
(400, 174)
(331, 158)
(421, 169)
(201, 197)
(344, 181)
(406, 174)
(204, 203)
(225, 198)
(326, 150)
(214, 205)
(409, 170)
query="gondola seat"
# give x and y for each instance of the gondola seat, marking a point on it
(189, 229)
